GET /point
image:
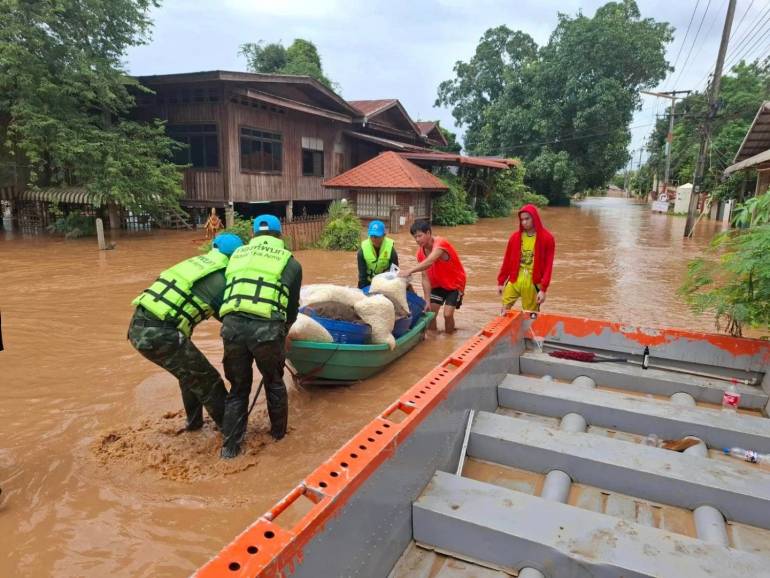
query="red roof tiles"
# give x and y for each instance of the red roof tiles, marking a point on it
(387, 171)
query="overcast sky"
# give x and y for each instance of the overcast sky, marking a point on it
(403, 49)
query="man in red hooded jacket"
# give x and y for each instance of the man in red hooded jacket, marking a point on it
(528, 262)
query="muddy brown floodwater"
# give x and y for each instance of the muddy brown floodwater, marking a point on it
(95, 481)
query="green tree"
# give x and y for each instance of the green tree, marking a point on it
(65, 101)
(569, 102)
(342, 231)
(733, 280)
(300, 58)
(742, 91)
(451, 138)
(506, 194)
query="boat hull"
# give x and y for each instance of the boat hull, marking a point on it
(343, 362)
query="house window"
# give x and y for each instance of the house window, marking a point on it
(202, 150)
(375, 203)
(312, 157)
(261, 151)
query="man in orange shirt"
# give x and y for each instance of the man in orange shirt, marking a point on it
(443, 279)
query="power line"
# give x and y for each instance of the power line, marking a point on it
(734, 48)
(742, 56)
(735, 31)
(758, 23)
(694, 41)
(570, 139)
(684, 40)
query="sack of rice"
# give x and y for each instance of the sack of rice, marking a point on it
(394, 288)
(311, 294)
(308, 329)
(379, 313)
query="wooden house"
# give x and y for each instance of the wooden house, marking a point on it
(266, 142)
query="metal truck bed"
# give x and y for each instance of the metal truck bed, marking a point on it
(507, 461)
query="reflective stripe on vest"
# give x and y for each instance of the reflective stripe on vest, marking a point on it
(253, 279)
(171, 298)
(377, 263)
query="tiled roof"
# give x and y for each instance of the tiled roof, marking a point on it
(370, 107)
(387, 171)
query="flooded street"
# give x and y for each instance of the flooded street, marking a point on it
(95, 481)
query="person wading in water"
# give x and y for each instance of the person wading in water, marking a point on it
(376, 254)
(166, 314)
(528, 262)
(443, 274)
(259, 306)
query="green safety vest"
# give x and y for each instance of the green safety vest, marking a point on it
(377, 263)
(171, 298)
(253, 279)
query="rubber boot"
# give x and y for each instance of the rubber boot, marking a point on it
(215, 403)
(233, 428)
(278, 410)
(194, 410)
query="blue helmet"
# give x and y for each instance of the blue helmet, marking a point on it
(376, 229)
(226, 243)
(267, 223)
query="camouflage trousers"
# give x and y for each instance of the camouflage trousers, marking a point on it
(200, 383)
(241, 352)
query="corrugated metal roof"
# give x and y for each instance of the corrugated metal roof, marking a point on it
(456, 160)
(757, 139)
(385, 142)
(370, 107)
(71, 195)
(387, 171)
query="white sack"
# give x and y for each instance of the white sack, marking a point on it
(310, 294)
(379, 313)
(394, 288)
(308, 329)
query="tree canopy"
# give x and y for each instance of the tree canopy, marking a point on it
(300, 58)
(565, 107)
(65, 101)
(742, 91)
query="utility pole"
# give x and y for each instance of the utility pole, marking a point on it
(700, 167)
(672, 96)
(639, 171)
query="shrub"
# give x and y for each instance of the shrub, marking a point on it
(734, 283)
(508, 192)
(343, 229)
(73, 225)
(452, 208)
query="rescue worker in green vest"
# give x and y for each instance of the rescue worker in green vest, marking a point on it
(261, 302)
(376, 254)
(165, 317)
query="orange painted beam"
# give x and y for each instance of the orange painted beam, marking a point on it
(266, 549)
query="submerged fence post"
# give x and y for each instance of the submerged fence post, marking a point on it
(100, 235)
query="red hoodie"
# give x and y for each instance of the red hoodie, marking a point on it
(545, 247)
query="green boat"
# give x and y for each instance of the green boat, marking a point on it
(335, 363)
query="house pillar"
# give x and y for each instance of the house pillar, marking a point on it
(289, 211)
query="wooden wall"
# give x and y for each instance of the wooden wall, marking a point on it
(292, 125)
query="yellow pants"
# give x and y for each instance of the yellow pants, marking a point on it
(524, 288)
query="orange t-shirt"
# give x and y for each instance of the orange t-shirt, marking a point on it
(448, 272)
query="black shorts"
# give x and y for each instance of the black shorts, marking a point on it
(451, 297)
